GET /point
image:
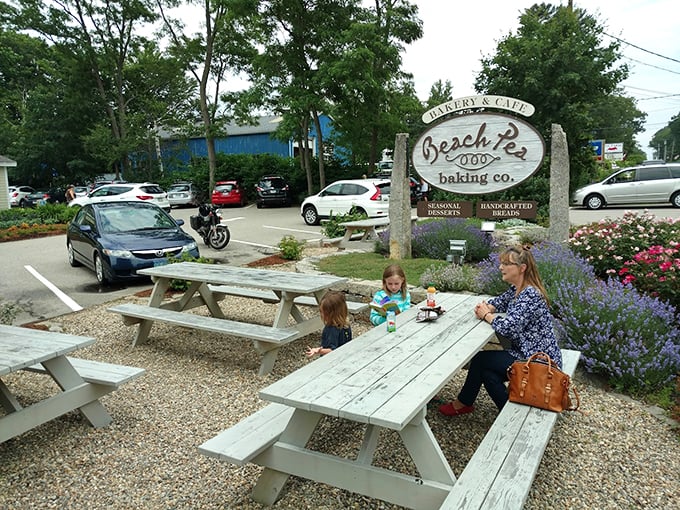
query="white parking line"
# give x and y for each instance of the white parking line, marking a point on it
(64, 298)
(290, 229)
(232, 219)
(253, 244)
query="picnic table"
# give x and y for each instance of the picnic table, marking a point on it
(368, 227)
(82, 382)
(209, 283)
(382, 380)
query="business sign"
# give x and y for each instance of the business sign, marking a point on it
(427, 209)
(501, 210)
(476, 102)
(478, 153)
(613, 148)
(598, 148)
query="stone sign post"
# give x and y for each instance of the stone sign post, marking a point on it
(558, 231)
(400, 202)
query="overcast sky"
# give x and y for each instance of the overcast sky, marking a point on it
(457, 34)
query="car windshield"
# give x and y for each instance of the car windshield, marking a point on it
(224, 188)
(126, 219)
(179, 187)
(153, 189)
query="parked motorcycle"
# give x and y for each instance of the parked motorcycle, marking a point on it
(208, 224)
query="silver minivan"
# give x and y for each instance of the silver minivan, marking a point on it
(652, 183)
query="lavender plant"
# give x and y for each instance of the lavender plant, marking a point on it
(632, 338)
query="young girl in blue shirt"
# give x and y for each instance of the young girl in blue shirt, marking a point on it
(394, 289)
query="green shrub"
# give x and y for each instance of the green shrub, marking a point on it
(291, 248)
(182, 285)
(449, 278)
(8, 312)
(331, 228)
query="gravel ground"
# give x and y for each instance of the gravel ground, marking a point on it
(616, 455)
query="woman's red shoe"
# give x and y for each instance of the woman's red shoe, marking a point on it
(449, 410)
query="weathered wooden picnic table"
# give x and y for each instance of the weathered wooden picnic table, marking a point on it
(209, 283)
(382, 380)
(368, 227)
(82, 382)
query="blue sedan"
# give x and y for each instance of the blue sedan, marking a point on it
(117, 239)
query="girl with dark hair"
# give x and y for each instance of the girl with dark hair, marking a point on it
(336, 332)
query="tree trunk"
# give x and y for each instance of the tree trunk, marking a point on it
(320, 147)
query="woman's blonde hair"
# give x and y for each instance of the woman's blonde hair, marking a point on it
(333, 307)
(519, 255)
(394, 270)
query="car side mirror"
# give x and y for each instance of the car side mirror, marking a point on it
(85, 228)
(179, 222)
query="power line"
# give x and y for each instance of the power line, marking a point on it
(650, 65)
(641, 49)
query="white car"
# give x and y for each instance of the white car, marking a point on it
(650, 183)
(145, 191)
(182, 193)
(18, 194)
(370, 196)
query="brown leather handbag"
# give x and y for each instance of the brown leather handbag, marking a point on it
(538, 382)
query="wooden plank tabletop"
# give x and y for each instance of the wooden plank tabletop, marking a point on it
(387, 378)
(23, 347)
(245, 277)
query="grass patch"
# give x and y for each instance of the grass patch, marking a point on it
(370, 266)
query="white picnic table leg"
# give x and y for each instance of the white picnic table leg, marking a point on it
(66, 377)
(298, 431)
(8, 400)
(210, 301)
(424, 449)
(159, 288)
(368, 445)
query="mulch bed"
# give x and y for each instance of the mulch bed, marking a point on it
(272, 260)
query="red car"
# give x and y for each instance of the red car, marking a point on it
(228, 193)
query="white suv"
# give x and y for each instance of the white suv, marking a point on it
(145, 191)
(368, 196)
(18, 194)
(649, 183)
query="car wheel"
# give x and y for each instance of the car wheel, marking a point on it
(675, 199)
(594, 202)
(359, 210)
(310, 215)
(99, 270)
(72, 256)
(259, 205)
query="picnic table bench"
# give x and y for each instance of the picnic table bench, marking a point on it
(379, 379)
(367, 227)
(502, 469)
(82, 382)
(208, 283)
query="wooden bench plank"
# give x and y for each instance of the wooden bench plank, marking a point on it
(98, 372)
(269, 297)
(249, 437)
(189, 320)
(502, 469)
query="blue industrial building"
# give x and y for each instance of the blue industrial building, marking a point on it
(248, 139)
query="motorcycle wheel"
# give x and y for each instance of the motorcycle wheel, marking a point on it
(219, 238)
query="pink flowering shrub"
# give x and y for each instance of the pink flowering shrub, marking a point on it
(639, 249)
(655, 271)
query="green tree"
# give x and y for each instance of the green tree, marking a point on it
(373, 98)
(666, 141)
(222, 48)
(558, 62)
(104, 36)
